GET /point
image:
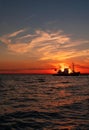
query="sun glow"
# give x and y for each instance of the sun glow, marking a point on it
(63, 66)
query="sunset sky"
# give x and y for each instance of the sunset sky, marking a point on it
(37, 36)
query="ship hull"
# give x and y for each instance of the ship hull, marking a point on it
(70, 74)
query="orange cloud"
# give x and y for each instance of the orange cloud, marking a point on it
(47, 46)
(16, 33)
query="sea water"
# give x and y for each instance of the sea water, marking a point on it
(44, 102)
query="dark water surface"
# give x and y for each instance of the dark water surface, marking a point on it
(44, 102)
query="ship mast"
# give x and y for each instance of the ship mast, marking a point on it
(73, 67)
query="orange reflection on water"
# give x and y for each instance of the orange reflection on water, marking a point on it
(64, 94)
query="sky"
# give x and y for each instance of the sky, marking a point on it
(39, 36)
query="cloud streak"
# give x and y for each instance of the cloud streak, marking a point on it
(45, 45)
(16, 33)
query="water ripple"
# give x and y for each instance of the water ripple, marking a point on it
(44, 102)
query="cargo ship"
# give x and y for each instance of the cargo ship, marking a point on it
(65, 72)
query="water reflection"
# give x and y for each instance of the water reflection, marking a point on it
(44, 102)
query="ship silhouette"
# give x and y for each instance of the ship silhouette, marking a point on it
(65, 72)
